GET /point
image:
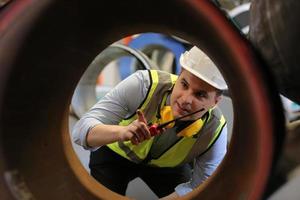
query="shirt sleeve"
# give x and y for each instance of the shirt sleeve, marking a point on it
(206, 164)
(117, 104)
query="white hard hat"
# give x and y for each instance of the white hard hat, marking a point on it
(199, 64)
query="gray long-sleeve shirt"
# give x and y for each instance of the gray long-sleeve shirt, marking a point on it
(121, 102)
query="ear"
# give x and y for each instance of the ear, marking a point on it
(218, 98)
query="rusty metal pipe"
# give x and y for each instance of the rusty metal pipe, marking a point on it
(45, 47)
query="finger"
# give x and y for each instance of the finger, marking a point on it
(140, 135)
(134, 140)
(146, 131)
(141, 116)
(142, 131)
(136, 130)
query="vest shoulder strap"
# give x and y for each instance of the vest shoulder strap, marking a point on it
(160, 82)
(207, 135)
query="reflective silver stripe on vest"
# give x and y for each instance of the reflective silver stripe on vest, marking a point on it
(164, 84)
(205, 136)
(133, 157)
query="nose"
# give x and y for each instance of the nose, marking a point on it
(187, 99)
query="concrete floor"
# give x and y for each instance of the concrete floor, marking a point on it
(290, 190)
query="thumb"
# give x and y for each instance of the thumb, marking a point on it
(141, 116)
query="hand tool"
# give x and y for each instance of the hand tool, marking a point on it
(156, 128)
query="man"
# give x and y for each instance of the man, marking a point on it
(117, 133)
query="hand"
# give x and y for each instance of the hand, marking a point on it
(137, 131)
(141, 132)
(155, 130)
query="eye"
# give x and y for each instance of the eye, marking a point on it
(184, 85)
(201, 95)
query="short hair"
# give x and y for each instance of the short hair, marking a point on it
(219, 92)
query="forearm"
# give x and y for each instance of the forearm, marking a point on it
(104, 134)
(111, 109)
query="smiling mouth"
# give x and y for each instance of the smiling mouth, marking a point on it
(182, 111)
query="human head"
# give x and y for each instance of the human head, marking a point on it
(199, 85)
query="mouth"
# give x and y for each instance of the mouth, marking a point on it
(182, 110)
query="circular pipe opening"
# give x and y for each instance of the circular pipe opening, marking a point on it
(51, 44)
(110, 62)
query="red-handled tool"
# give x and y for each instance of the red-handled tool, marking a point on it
(156, 128)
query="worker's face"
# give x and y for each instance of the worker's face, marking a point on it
(190, 94)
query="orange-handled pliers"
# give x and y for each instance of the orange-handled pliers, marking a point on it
(157, 128)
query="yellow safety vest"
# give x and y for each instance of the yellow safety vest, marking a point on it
(199, 136)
